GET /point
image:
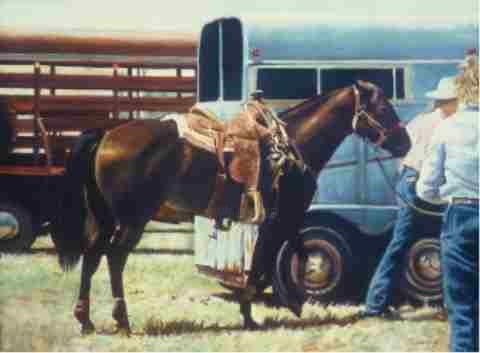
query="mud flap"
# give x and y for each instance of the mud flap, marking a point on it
(288, 293)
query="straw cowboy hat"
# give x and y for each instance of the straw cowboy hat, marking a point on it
(446, 89)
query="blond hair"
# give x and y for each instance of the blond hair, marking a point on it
(467, 81)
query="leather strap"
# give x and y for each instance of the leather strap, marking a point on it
(217, 196)
(219, 145)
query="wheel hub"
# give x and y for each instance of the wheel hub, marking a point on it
(318, 268)
(322, 268)
(427, 266)
(9, 226)
(423, 273)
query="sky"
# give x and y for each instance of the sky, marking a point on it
(189, 15)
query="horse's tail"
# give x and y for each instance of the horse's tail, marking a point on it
(6, 129)
(68, 226)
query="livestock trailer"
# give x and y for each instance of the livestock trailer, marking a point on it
(54, 86)
(351, 217)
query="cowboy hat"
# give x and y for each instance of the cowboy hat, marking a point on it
(446, 89)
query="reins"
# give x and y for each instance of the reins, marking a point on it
(406, 202)
(359, 112)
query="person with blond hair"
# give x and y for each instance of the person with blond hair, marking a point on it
(449, 176)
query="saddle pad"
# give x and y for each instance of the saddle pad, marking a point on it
(205, 140)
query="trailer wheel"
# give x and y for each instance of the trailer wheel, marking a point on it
(16, 228)
(422, 274)
(321, 274)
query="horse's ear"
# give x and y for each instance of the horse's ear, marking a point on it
(368, 86)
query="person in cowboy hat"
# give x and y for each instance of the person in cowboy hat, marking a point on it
(449, 175)
(388, 272)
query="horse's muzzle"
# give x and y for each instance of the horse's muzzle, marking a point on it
(398, 143)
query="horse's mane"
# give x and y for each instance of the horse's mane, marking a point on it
(308, 105)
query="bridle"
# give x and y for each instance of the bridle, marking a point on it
(360, 112)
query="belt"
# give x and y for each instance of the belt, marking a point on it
(465, 201)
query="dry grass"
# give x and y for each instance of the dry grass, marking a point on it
(172, 308)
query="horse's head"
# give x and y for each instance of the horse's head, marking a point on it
(376, 120)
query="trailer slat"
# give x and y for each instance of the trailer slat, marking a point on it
(98, 82)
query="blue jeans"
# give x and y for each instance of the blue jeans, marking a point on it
(388, 271)
(459, 249)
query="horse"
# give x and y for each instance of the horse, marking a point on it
(115, 182)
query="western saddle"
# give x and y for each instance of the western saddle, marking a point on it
(238, 144)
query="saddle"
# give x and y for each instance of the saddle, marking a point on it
(238, 145)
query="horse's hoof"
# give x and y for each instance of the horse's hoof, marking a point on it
(251, 326)
(87, 329)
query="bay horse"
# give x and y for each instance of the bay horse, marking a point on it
(115, 182)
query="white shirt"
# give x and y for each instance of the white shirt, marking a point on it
(450, 168)
(420, 130)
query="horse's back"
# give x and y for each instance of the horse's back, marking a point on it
(129, 138)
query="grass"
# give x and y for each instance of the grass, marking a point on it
(173, 308)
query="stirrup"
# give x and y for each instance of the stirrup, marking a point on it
(258, 209)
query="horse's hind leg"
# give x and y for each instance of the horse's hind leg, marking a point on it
(91, 260)
(124, 240)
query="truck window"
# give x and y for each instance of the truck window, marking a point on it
(208, 71)
(232, 59)
(286, 83)
(391, 80)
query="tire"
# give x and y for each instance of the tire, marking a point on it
(20, 236)
(321, 275)
(421, 281)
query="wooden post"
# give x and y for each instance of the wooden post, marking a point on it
(139, 73)
(179, 74)
(115, 93)
(36, 113)
(52, 73)
(130, 94)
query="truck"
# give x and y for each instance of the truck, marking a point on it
(351, 218)
(56, 85)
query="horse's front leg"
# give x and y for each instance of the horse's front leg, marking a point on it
(90, 264)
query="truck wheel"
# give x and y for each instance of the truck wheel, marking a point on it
(16, 228)
(422, 274)
(321, 273)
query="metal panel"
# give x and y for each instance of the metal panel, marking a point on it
(338, 182)
(316, 40)
(226, 254)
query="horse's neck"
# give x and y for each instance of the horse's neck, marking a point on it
(319, 132)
